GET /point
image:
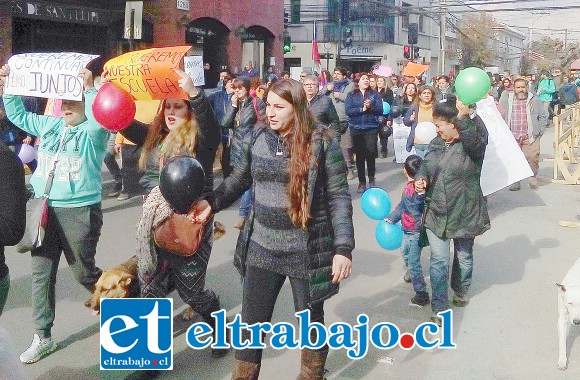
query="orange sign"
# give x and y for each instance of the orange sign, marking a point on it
(148, 74)
(414, 69)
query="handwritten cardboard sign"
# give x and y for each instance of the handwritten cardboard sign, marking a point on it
(193, 66)
(148, 74)
(47, 75)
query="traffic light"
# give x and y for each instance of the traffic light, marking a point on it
(287, 42)
(413, 33)
(407, 51)
(415, 52)
(347, 40)
(286, 19)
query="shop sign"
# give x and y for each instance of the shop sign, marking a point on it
(183, 5)
(363, 50)
(60, 12)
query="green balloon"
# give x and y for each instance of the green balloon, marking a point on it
(472, 85)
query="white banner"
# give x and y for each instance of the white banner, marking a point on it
(193, 65)
(400, 135)
(47, 75)
(504, 162)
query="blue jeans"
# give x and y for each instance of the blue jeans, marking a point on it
(412, 256)
(460, 273)
(245, 202)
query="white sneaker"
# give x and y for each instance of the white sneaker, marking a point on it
(37, 349)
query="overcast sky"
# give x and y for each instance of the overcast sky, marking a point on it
(553, 19)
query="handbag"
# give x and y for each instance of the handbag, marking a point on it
(37, 218)
(36, 222)
(179, 234)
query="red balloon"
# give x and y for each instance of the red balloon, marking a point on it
(113, 108)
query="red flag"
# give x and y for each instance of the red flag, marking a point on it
(316, 59)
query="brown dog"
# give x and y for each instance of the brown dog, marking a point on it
(121, 281)
(118, 282)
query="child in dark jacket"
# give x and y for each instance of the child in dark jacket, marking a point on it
(409, 213)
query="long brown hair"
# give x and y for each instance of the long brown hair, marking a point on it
(182, 140)
(300, 149)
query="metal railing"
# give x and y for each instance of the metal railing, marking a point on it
(566, 145)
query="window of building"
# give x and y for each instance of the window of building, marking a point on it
(333, 11)
(295, 11)
(405, 16)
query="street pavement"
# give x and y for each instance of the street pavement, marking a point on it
(508, 330)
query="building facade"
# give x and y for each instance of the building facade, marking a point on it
(508, 45)
(227, 34)
(377, 31)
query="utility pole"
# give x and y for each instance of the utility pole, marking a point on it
(339, 45)
(340, 16)
(442, 32)
(565, 38)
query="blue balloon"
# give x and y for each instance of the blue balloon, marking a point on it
(389, 236)
(386, 108)
(376, 203)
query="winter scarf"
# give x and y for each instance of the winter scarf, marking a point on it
(155, 210)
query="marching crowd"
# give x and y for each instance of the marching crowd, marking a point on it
(287, 149)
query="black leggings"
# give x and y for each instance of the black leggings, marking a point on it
(365, 147)
(261, 289)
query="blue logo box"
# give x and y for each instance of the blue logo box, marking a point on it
(136, 333)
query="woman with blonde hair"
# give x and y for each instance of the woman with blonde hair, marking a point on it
(181, 127)
(300, 221)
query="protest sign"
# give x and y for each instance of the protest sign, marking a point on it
(504, 163)
(47, 75)
(193, 66)
(148, 74)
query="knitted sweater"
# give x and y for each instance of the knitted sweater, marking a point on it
(276, 244)
(330, 229)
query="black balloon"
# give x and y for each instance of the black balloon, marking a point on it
(181, 182)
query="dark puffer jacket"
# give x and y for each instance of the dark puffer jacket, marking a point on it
(247, 120)
(330, 229)
(455, 205)
(324, 112)
(401, 106)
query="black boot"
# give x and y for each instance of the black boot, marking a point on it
(207, 318)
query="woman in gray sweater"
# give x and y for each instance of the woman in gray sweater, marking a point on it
(300, 221)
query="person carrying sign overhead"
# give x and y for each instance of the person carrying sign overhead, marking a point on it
(75, 143)
(181, 127)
